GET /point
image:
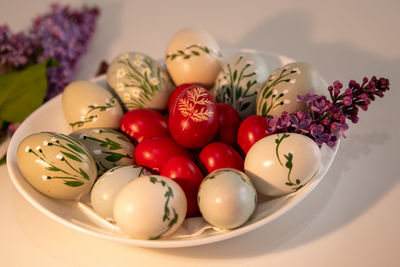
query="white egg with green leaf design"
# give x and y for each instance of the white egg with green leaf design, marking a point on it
(150, 207)
(57, 165)
(89, 105)
(239, 82)
(279, 92)
(108, 147)
(282, 163)
(140, 81)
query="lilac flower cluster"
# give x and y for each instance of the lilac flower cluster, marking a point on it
(325, 120)
(62, 34)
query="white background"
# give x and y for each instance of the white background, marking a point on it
(351, 219)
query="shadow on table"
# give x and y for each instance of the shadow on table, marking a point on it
(290, 34)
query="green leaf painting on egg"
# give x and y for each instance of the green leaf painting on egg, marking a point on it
(269, 98)
(232, 91)
(90, 117)
(69, 151)
(167, 210)
(193, 50)
(140, 78)
(289, 163)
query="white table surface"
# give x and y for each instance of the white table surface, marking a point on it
(351, 219)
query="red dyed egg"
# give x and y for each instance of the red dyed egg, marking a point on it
(229, 122)
(218, 155)
(176, 93)
(183, 171)
(193, 121)
(251, 130)
(144, 123)
(154, 152)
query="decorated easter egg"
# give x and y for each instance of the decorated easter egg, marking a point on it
(193, 121)
(140, 81)
(239, 82)
(193, 56)
(108, 147)
(88, 105)
(279, 92)
(108, 186)
(282, 163)
(150, 207)
(227, 198)
(57, 165)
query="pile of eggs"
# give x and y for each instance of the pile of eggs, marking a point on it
(162, 143)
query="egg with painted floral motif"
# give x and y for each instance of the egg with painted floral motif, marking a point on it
(89, 105)
(193, 121)
(140, 81)
(239, 82)
(282, 163)
(108, 147)
(193, 56)
(279, 92)
(150, 207)
(57, 165)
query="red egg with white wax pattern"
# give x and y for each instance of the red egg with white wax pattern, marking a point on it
(154, 152)
(144, 123)
(251, 130)
(218, 155)
(176, 93)
(229, 122)
(193, 121)
(183, 171)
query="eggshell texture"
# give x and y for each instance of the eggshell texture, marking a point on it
(227, 198)
(282, 163)
(193, 56)
(88, 105)
(150, 207)
(108, 186)
(279, 92)
(108, 147)
(57, 165)
(193, 121)
(218, 155)
(177, 91)
(144, 123)
(154, 152)
(140, 81)
(239, 82)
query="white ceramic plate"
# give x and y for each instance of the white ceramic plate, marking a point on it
(194, 231)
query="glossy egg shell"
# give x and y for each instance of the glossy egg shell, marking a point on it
(193, 121)
(193, 56)
(144, 123)
(251, 130)
(154, 152)
(108, 147)
(108, 186)
(282, 163)
(239, 81)
(150, 207)
(227, 198)
(88, 105)
(229, 122)
(57, 165)
(279, 92)
(140, 81)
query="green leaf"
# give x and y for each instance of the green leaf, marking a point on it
(3, 159)
(153, 179)
(76, 148)
(246, 105)
(234, 76)
(73, 157)
(113, 157)
(113, 145)
(264, 109)
(73, 183)
(23, 92)
(195, 53)
(53, 169)
(84, 174)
